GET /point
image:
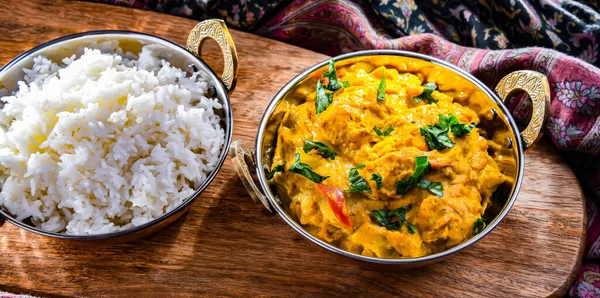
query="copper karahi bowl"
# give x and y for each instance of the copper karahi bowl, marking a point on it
(253, 168)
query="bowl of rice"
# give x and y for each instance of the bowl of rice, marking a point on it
(112, 134)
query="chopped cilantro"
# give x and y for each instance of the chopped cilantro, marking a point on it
(384, 133)
(331, 74)
(478, 226)
(411, 228)
(421, 168)
(459, 129)
(436, 135)
(394, 219)
(305, 170)
(275, 170)
(435, 187)
(324, 98)
(381, 217)
(358, 183)
(381, 89)
(324, 151)
(421, 165)
(378, 180)
(426, 94)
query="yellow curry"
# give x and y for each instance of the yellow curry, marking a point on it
(378, 161)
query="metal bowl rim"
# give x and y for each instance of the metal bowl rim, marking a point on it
(210, 177)
(404, 261)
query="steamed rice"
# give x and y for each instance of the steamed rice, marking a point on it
(105, 141)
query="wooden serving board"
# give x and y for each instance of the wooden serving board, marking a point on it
(226, 246)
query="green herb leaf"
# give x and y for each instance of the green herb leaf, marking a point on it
(275, 170)
(331, 71)
(478, 226)
(381, 89)
(422, 166)
(324, 151)
(436, 139)
(403, 186)
(345, 84)
(436, 135)
(305, 170)
(394, 219)
(435, 187)
(399, 213)
(381, 217)
(324, 98)
(384, 133)
(459, 129)
(411, 228)
(378, 180)
(331, 74)
(358, 183)
(426, 94)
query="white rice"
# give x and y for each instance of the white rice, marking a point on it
(106, 141)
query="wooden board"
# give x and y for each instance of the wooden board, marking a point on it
(226, 246)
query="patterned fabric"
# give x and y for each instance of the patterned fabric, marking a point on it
(588, 282)
(510, 35)
(571, 27)
(9, 295)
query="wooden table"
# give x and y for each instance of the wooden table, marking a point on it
(226, 246)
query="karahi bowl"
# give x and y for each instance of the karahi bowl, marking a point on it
(181, 57)
(495, 118)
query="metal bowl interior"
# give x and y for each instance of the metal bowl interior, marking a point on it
(503, 198)
(178, 56)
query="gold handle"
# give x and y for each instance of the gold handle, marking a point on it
(217, 30)
(536, 85)
(243, 161)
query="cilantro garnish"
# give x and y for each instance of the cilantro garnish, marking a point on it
(394, 219)
(478, 226)
(435, 187)
(378, 180)
(436, 135)
(331, 74)
(421, 168)
(275, 170)
(421, 165)
(358, 183)
(324, 98)
(426, 94)
(324, 151)
(305, 170)
(384, 133)
(381, 89)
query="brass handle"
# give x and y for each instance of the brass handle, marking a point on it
(536, 85)
(243, 161)
(217, 30)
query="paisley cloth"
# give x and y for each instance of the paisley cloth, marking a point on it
(9, 295)
(488, 38)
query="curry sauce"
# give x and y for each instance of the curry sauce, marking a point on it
(385, 135)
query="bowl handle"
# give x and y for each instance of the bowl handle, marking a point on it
(536, 85)
(243, 161)
(217, 30)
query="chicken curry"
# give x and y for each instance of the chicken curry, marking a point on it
(385, 157)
